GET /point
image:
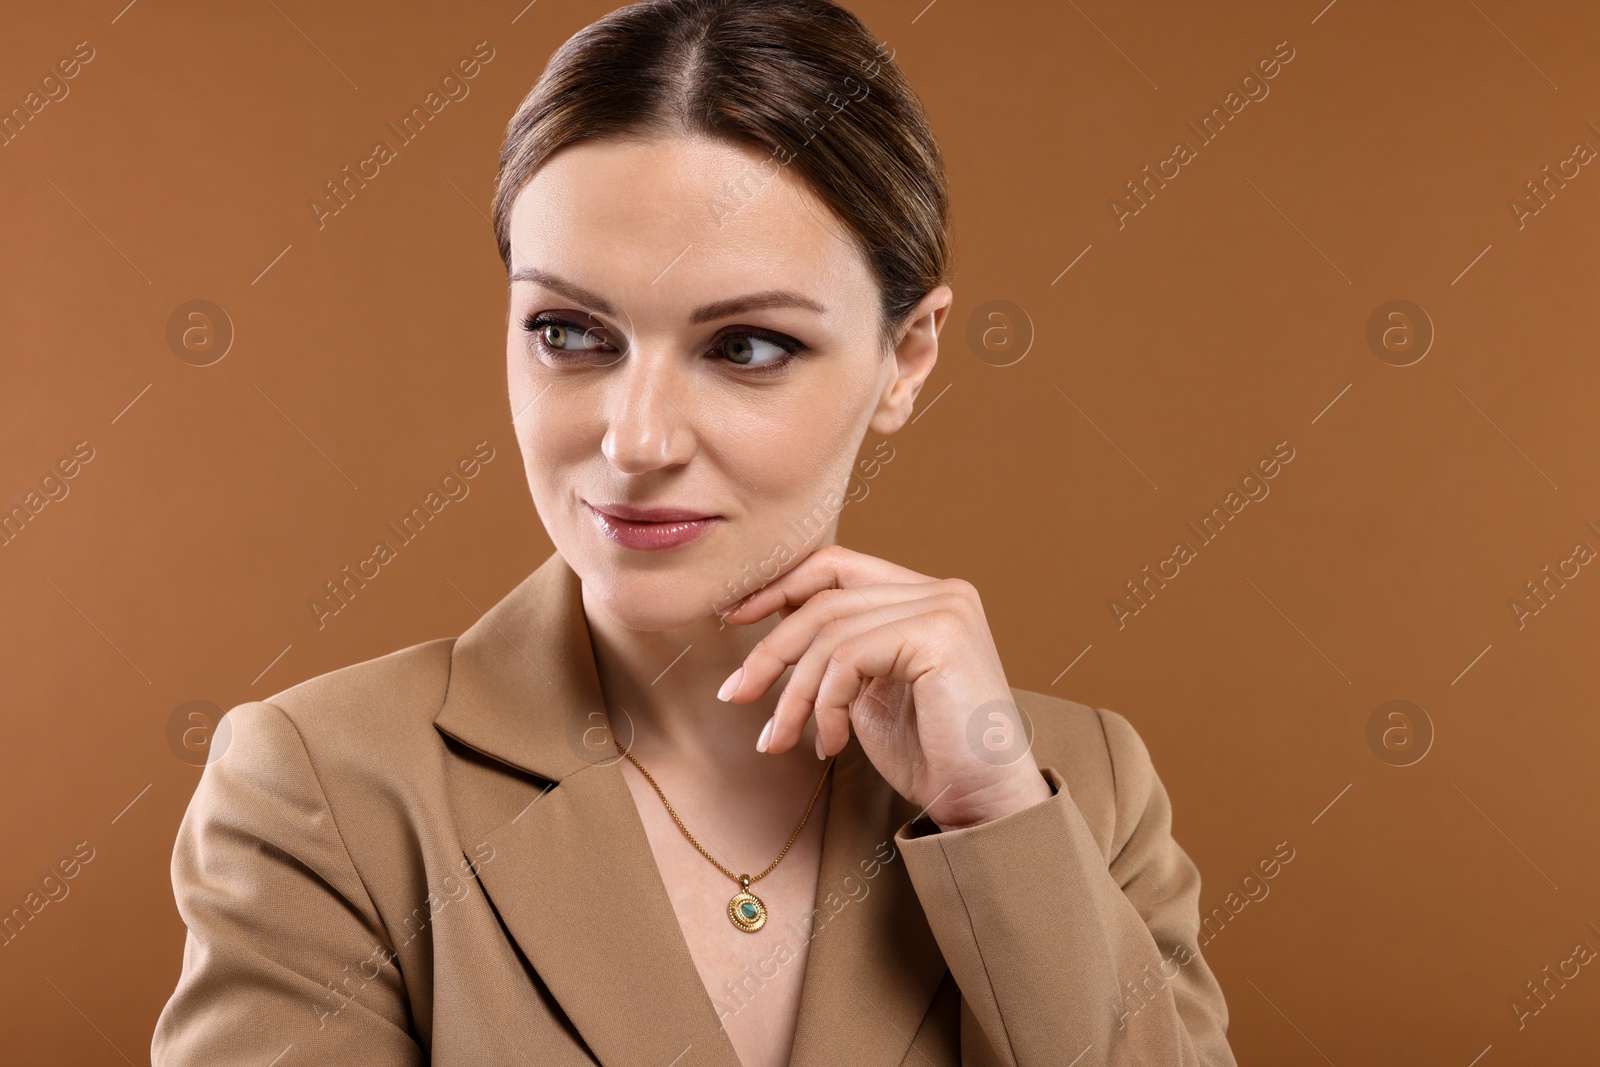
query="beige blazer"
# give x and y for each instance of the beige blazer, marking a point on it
(433, 857)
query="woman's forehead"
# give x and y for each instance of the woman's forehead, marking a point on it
(664, 216)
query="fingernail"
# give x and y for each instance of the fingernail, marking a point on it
(821, 753)
(731, 684)
(766, 732)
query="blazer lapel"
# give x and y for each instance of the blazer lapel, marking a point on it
(874, 965)
(576, 884)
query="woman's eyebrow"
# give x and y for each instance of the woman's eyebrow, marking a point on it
(567, 289)
(771, 298)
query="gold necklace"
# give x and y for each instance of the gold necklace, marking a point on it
(746, 911)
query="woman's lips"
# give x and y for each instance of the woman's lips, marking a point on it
(650, 529)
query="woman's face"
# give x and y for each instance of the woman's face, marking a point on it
(723, 356)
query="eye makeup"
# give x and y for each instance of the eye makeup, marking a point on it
(548, 333)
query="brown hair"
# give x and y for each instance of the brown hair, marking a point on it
(802, 79)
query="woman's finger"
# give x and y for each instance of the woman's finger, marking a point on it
(788, 641)
(829, 567)
(891, 652)
(798, 700)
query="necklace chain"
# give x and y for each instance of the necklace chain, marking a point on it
(696, 844)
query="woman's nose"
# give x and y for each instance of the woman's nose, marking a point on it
(646, 426)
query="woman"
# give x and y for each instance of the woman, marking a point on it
(548, 840)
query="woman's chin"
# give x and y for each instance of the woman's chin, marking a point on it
(653, 604)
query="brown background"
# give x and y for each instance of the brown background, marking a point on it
(1230, 314)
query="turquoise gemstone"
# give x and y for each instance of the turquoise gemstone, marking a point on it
(748, 909)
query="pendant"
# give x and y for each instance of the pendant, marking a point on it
(746, 910)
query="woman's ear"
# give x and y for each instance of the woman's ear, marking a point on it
(913, 357)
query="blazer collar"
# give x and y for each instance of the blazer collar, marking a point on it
(575, 882)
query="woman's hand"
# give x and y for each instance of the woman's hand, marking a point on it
(910, 661)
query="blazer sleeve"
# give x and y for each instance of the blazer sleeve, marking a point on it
(285, 950)
(1060, 954)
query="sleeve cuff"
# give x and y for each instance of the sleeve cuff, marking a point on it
(922, 826)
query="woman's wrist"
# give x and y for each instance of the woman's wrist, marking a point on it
(1030, 788)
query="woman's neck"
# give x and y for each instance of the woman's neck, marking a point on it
(661, 687)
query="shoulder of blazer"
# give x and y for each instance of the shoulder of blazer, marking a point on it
(351, 759)
(366, 723)
(1101, 757)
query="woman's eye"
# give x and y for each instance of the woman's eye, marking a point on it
(741, 348)
(562, 336)
(760, 353)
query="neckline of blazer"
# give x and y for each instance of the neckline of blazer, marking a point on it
(576, 884)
